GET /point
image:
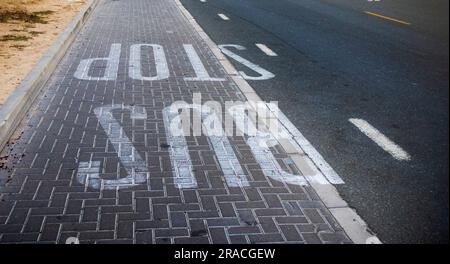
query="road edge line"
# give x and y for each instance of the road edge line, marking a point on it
(354, 226)
(20, 101)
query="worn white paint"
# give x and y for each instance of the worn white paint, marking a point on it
(223, 17)
(135, 67)
(381, 140)
(131, 160)
(161, 65)
(179, 153)
(263, 73)
(112, 66)
(89, 173)
(200, 70)
(260, 146)
(72, 240)
(291, 132)
(182, 167)
(266, 50)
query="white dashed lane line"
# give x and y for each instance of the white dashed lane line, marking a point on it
(266, 50)
(381, 140)
(224, 17)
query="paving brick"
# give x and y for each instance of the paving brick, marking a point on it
(117, 209)
(191, 240)
(18, 216)
(57, 219)
(230, 198)
(273, 201)
(314, 216)
(197, 228)
(171, 232)
(203, 214)
(270, 212)
(335, 237)
(227, 210)
(291, 220)
(290, 233)
(243, 230)
(247, 217)
(120, 241)
(47, 211)
(96, 235)
(66, 227)
(159, 212)
(125, 230)
(253, 194)
(163, 240)
(178, 219)
(10, 228)
(293, 208)
(183, 207)
(152, 224)
(19, 237)
(34, 224)
(265, 238)
(208, 203)
(218, 235)
(252, 204)
(74, 206)
(268, 224)
(238, 239)
(50, 232)
(125, 198)
(144, 237)
(190, 196)
(311, 238)
(142, 205)
(134, 216)
(107, 221)
(223, 222)
(306, 228)
(90, 214)
(58, 200)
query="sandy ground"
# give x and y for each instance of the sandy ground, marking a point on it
(17, 57)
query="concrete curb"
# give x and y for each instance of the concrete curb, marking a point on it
(348, 219)
(20, 101)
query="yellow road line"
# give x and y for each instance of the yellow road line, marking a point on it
(388, 18)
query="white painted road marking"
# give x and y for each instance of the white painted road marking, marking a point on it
(89, 173)
(329, 173)
(178, 149)
(264, 74)
(179, 153)
(224, 17)
(161, 68)
(112, 66)
(175, 125)
(266, 50)
(381, 140)
(259, 145)
(199, 68)
(135, 68)
(131, 160)
(259, 142)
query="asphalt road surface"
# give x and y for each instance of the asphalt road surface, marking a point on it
(384, 62)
